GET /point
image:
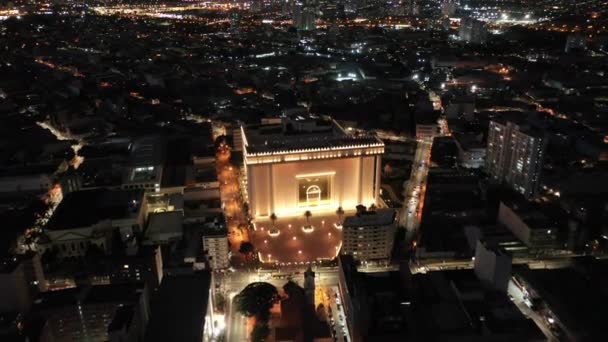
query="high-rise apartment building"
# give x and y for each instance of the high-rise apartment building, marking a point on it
(304, 16)
(515, 156)
(369, 235)
(473, 31)
(448, 8)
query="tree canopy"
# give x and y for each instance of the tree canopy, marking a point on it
(246, 248)
(259, 332)
(256, 300)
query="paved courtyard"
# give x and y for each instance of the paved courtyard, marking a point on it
(293, 244)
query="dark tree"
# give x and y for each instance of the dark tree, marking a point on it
(246, 248)
(273, 218)
(94, 253)
(340, 213)
(256, 300)
(260, 332)
(307, 215)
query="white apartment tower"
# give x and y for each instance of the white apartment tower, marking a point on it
(515, 156)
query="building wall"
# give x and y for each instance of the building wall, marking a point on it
(473, 158)
(426, 131)
(497, 137)
(492, 267)
(515, 157)
(35, 183)
(511, 220)
(540, 237)
(368, 243)
(14, 290)
(34, 272)
(273, 188)
(351, 304)
(76, 242)
(217, 249)
(523, 172)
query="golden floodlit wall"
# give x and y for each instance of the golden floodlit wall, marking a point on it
(291, 188)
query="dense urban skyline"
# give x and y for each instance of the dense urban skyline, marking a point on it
(303, 170)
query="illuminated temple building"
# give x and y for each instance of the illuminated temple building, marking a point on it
(309, 163)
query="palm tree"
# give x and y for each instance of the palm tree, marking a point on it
(307, 214)
(273, 218)
(247, 250)
(340, 213)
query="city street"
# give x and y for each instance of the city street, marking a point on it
(230, 194)
(338, 318)
(415, 189)
(518, 299)
(330, 297)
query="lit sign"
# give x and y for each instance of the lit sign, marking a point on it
(314, 190)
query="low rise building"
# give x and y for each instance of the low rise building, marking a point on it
(426, 130)
(183, 310)
(573, 299)
(215, 243)
(34, 183)
(436, 306)
(471, 151)
(492, 265)
(530, 226)
(145, 166)
(14, 289)
(92, 313)
(91, 217)
(164, 227)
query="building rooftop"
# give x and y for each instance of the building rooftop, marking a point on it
(378, 217)
(146, 158)
(578, 301)
(87, 207)
(469, 141)
(532, 214)
(146, 152)
(165, 223)
(302, 133)
(125, 293)
(179, 313)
